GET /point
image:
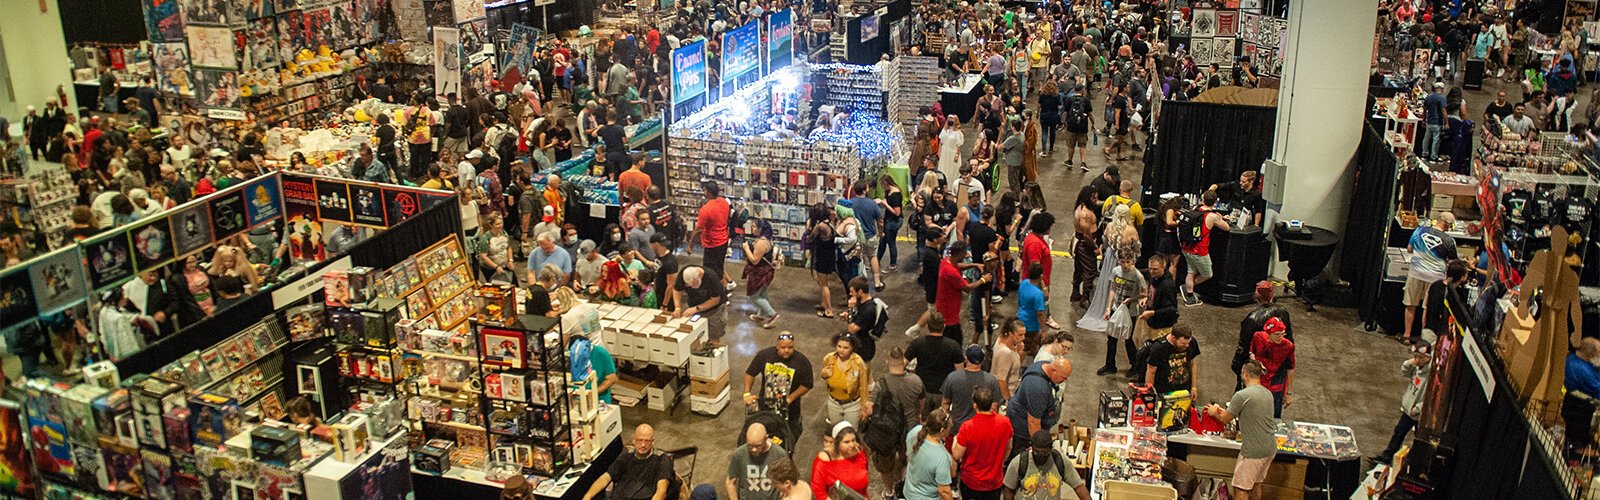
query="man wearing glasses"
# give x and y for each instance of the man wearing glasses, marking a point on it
(640, 475)
(785, 376)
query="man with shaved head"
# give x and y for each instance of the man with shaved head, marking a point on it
(1036, 405)
(641, 475)
(747, 466)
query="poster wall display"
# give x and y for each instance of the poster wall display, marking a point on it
(17, 302)
(212, 47)
(208, 12)
(446, 60)
(110, 260)
(265, 200)
(869, 27)
(218, 92)
(412, 19)
(152, 244)
(780, 40)
(163, 21)
(688, 72)
(261, 42)
(191, 229)
(468, 10)
(58, 279)
(172, 68)
(741, 51)
(1203, 24)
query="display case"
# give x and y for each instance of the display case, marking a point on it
(526, 399)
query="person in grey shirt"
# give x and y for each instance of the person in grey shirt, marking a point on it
(959, 386)
(1518, 123)
(639, 236)
(1011, 155)
(747, 466)
(1252, 407)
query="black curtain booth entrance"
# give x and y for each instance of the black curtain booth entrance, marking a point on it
(1198, 144)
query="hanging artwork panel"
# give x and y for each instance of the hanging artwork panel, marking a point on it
(291, 34)
(212, 47)
(468, 10)
(1203, 24)
(1227, 23)
(163, 21)
(257, 9)
(217, 90)
(261, 42)
(172, 68)
(412, 18)
(206, 12)
(318, 28)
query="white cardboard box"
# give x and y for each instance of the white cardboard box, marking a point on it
(662, 393)
(610, 424)
(710, 406)
(709, 367)
(669, 347)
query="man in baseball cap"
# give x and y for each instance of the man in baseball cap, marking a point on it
(1276, 355)
(1417, 369)
(1256, 321)
(959, 386)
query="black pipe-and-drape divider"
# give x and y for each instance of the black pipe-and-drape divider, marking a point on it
(1371, 206)
(381, 251)
(1198, 144)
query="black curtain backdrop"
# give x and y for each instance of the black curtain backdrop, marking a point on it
(1371, 206)
(381, 251)
(107, 21)
(1199, 144)
(870, 51)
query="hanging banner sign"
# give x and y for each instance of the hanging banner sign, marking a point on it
(446, 60)
(780, 40)
(688, 72)
(741, 51)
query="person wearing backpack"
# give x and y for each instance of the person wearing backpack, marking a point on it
(869, 317)
(886, 416)
(1038, 472)
(1194, 236)
(1079, 120)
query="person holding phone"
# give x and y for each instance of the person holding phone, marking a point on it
(952, 286)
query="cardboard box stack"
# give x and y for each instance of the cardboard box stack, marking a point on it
(708, 381)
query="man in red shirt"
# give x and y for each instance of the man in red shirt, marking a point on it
(1036, 248)
(89, 138)
(712, 226)
(981, 448)
(1275, 352)
(1198, 255)
(952, 286)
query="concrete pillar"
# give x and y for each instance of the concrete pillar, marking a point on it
(35, 56)
(1327, 59)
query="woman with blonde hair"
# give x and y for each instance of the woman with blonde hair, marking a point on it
(229, 263)
(1119, 237)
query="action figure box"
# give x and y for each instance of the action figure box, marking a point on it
(433, 457)
(336, 288)
(1142, 407)
(102, 374)
(77, 409)
(496, 304)
(154, 396)
(178, 433)
(274, 445)
(349, 437)
(1113, 409)
(214, 418)
(348, 325)
(107, 408)
(306, 322)
(383, 417)
(381, 316)
(361, 280)
(407, 333)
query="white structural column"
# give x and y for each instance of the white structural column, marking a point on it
(1321, 101)
(35, 59)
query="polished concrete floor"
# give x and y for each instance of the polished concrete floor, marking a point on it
(1345, 377)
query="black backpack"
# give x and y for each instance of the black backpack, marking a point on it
(1191, 226)
(1078, 114)
(885, 430)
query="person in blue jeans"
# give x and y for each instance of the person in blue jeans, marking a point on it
(871, 218)
(891, 202)
(1433, 117)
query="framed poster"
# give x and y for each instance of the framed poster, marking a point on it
(446, 60)
(367, 205)
(110, 260)
(467, 10)
(1203, 24)
(265, 200)
(191, 229)
(319, 29)
(228, 215)
(212, 47)
(152, 244)
(502, 347)
(17, 302)
(400, 204)
(163, 21)
(1227, 23)
(308, 380)
(257, 9)
(210, 12)
(217, 89)
(333, 200)
(58, 279)
(261, 43)
(172, 68)
(869, 27)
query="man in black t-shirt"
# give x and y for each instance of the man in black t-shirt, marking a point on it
(1499, 109)
(1170, 364)
(868, 318)
(666, 265)
(928, 257)
(696, 295)
(935, 355)
(665, 217)
(784, 374)
(640, 475)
